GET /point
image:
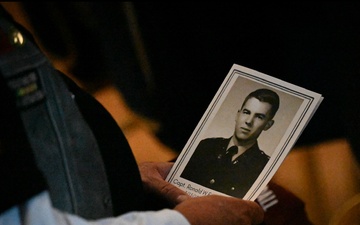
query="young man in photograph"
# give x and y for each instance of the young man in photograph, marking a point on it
(231, 165)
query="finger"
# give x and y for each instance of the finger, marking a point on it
(172, 193)
(257, 214)
(164, 168)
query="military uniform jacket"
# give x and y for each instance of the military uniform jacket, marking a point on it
(210, 167)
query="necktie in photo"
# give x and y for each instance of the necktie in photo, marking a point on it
(231, 152)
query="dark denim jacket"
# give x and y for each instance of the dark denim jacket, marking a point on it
(82, 177)
(65, 149)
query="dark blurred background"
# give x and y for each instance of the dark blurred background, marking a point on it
(169, 59)
(192, 47)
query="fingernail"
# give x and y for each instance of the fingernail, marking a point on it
(182, 198)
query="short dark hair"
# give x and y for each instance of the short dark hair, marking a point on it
(265, 95)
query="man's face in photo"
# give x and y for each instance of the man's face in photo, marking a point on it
(252, 119)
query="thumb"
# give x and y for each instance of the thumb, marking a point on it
(172, 193)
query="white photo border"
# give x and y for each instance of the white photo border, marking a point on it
(309, 103)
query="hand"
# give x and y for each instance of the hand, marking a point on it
(215, 210)
(153, 176)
